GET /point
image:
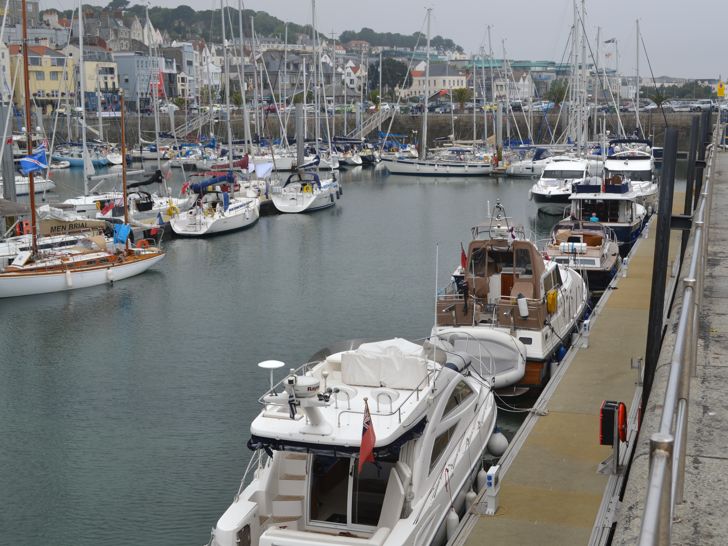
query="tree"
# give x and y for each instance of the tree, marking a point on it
(394, 74)
(658, 97)
(557, 92)
(461, 95)
(118, 4)
(374, 97)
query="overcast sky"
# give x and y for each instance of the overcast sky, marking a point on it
(683, 39)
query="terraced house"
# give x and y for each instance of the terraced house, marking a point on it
(51, 75)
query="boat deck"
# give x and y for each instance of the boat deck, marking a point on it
(552, 492)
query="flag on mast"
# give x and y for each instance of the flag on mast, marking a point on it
(368, 439)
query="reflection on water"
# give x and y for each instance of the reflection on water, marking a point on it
(126, 409)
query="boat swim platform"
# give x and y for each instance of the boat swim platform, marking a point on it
(550, 489)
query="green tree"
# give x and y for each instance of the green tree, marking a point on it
(374, 97)
(557, 91)
(118, 4)
(394, 74)
(461, 95)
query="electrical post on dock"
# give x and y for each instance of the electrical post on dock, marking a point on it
(492, 487)
(612, 431)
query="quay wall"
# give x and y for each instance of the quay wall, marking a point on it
(439, 125)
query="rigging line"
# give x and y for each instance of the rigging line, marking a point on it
(596, 65)
(404, 82)
(649, 64)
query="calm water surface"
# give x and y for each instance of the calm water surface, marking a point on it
(125, 409)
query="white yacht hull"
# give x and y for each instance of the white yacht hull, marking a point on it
(22, 186)
(436, 168)
(44, 283)
(293, 200)
(195, 223)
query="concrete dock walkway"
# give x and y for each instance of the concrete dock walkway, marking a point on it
(552, 492)
(700, 520)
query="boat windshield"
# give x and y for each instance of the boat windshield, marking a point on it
(333, 478)
(637, 176)
(560, 173)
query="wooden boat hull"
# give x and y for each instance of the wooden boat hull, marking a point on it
(14, 284)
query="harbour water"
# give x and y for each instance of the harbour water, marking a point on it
(125, 408)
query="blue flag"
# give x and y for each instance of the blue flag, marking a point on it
(121, 233)
(33, 162)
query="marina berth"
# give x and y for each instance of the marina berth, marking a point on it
(427, 415)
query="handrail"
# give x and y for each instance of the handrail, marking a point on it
(667, 446)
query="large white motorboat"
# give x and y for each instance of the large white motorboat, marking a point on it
(632, 159)
(613, 203)
(305, 192)
(432, 413)
(217, 209)
(531, 164)
(552, 190)
(505, 285)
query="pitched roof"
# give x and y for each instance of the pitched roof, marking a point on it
(35, 50)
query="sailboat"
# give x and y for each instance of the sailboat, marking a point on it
(90, 262)
(466, 163)
(217, 208)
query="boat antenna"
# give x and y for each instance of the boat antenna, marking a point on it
(123, 161)
(28, 129)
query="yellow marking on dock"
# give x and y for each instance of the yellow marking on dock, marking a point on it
(552, 492)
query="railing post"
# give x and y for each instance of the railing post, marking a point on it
(690, 180)
(656, 522)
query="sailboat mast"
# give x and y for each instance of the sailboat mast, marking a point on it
(423, 143)
(82, 84)
(123, 162)
(227, 86)
(28, 128)
(638, 127)
(246, 116)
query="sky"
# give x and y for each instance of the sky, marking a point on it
(687, 40)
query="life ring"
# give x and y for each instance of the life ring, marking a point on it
(23, 228)
(172, 210)
(98, 205)
(143, 244)
(622, 422)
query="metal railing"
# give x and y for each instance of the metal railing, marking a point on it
(665, 487)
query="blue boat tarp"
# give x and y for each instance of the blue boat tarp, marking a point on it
(304, 178)
(199, 187)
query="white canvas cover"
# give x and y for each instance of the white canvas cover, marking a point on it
(394, 363)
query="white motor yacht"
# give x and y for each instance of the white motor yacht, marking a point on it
(633, 160)
(552, 190)
(432, 414)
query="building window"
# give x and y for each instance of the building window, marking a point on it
(34, 61)
(39, 76)
(54, 76)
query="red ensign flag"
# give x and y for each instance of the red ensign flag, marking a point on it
(368, 439)
(463, 257)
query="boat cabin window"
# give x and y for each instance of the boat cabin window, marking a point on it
(637, 176)
(438, 447)
(604, 210)
(342, 496)
(461, 393)
(561, 173)
(552, 280)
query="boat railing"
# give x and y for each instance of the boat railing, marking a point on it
(666, 480)
(425, 381)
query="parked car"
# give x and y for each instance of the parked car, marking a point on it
(704, 105)
(168, 108)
